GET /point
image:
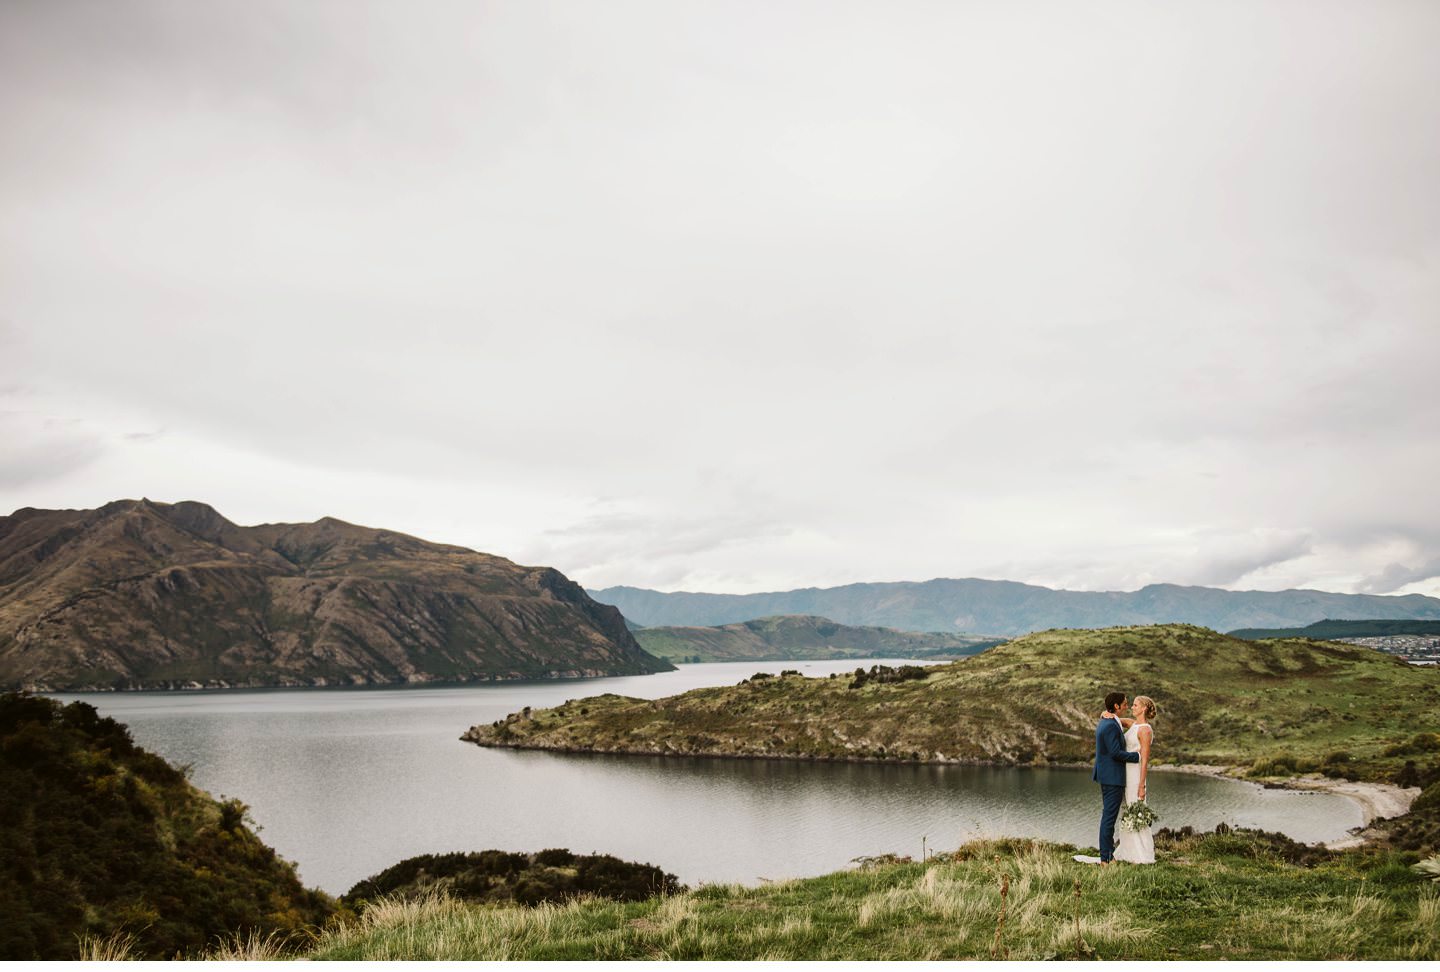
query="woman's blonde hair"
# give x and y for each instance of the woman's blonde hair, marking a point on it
(1146, 703)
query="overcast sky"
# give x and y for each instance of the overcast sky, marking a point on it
(741, 296)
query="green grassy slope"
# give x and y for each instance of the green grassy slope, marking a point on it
(1340, 708)
(99, 837)
(1219, 896)
(801, 637)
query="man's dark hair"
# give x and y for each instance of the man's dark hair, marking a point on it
(1113, 701)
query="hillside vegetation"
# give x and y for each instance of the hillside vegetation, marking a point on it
(1239, 895)
(1274, 707)
(1007, 608)
(139, 594)
(101, 838)
(801, 637)
(497, 877)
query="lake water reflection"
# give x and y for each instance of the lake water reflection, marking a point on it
(348, 781)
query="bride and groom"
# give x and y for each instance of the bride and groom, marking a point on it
(1122, 763)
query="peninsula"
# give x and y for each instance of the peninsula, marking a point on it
(1267, 708)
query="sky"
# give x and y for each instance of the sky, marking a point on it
(741, 296)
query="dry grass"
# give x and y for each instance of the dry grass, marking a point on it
(1231, 907)
(119, 947)
(253, 947)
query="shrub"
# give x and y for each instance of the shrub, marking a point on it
(885, 673)
(555, 857)
(1429, 799)
(497, 876)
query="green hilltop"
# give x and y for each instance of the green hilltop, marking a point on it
(1272, 707)
(797, 637)
(1330, 628)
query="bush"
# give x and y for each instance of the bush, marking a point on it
(1429, 799)
(885, 673)
(555, 857)
(497, 876)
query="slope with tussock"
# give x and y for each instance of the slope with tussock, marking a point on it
(1230, 896)
(107, 849)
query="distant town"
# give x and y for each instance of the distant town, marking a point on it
(1416, 649)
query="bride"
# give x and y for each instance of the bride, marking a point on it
(1137, 847)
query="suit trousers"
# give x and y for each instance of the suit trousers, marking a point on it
(1112, 797)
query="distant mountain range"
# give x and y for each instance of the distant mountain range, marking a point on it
(801, 637)
(138, 594)
(1009, 608)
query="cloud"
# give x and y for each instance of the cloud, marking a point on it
(922, 291)
(1228, 559)
(1396, 576)
(40, 450)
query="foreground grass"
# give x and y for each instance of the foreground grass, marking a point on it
(1229, 896)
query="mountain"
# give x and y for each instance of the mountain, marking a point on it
(803, 636)
(102, 838)
(1332, 630)
(139, 594)
(1271, 707)
(1009, 608)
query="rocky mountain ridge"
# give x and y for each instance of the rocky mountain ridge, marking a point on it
(139, 594)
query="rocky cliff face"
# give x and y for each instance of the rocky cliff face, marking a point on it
(140, 594)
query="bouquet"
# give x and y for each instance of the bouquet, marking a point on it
(1138, 816)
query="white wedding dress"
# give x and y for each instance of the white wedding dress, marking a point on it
(1136, 847)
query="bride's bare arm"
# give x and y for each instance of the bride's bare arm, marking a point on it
(1126, 723)
(1144, 737)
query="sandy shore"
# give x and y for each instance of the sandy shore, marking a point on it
(1376, 800)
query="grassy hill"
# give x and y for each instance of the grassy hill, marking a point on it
(801, 637)
(1236, 895)
(99, 837)
(1330, 628)
(1274, 707)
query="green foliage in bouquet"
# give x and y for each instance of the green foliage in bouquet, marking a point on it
(1138, 816)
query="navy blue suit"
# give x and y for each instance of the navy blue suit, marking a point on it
(1110, 760)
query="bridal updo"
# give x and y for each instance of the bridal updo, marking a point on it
(1145, 704)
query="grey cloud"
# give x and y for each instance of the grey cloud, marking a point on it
(1239, 562)
(1106, 298)
(40, 450)
(1396, 576)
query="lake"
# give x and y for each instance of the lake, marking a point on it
(346, 782)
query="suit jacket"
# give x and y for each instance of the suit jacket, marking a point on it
(1110, 754)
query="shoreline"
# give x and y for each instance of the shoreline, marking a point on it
(1377, 801)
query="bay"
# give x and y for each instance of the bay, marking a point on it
(346, 782)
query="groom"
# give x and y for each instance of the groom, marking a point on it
(1110, 760)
